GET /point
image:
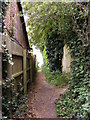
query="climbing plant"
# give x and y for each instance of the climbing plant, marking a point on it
(54, 49)
(75, 103)
(3, 5)
(52, 25)
(47, 28)
(10, 102)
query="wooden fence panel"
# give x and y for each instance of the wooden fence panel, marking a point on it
(31, 68)
(0, 68)
(16, 49)
(0, 42)
(24, 71)
(18, 64)
(12, 46)
(0, 85)
(23, 68)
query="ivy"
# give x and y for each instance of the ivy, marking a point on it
(54, 50)
(76, 100)
(55, 24)
(47, 27)
(10, 100)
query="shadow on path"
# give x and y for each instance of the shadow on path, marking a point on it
(42, 97)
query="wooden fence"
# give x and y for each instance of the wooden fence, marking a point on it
(23, 69)
(0, 78)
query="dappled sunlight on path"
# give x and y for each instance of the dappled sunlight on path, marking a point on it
(42, 97)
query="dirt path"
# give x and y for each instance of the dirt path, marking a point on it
(42, 98)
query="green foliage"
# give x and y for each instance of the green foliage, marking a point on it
(75, 102)
(3, 6)
(55, 77)
(10, 98)
(52, 23)
(54, 50)
(44, 56)
(10, 104)
(48, 23)
(44, 16)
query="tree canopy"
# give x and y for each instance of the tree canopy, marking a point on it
(44, 17)
(52, 24)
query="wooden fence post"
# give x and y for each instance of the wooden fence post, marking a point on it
(0, 68)
(35, 64)
(9, 75)
(31, 67)
(0, 76)
(0, 85)
(24, 71)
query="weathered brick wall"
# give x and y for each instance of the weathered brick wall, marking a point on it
(13, 24)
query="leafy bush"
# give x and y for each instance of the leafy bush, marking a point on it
(72, 22)
(54, 77)
(75, 103)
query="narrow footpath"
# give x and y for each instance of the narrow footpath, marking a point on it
(42, 98)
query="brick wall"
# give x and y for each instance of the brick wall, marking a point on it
(14, 25)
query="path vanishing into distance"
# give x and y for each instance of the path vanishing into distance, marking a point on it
(42, 98)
